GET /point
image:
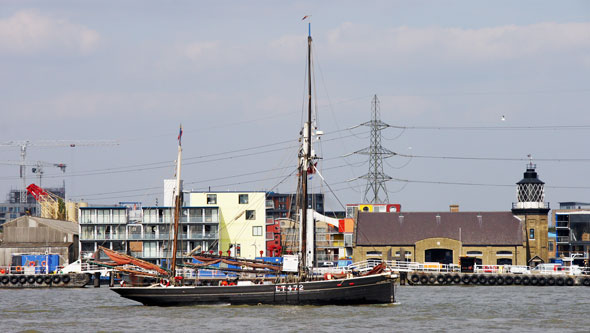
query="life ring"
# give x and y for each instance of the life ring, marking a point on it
(327, 276)
(19, 269)
(232, 283)
(44, 263)
(2, 271)
(224, 283)
(65, 279)
(31, 264)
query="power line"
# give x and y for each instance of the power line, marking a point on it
(493, 158)
(496, 128)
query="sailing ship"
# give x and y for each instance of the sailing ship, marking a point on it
(301, 287)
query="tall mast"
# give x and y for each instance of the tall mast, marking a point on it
(307, 155)
(177, 204)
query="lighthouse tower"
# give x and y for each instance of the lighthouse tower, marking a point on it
(532, 210)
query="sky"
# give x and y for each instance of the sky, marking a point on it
(470, 88)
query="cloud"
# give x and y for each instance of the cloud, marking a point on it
(458, 44)
(29, 32)
(199, 51)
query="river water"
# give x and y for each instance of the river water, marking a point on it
(418, 308)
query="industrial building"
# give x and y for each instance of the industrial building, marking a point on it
(28, 235)
(516, 237)
(14, 208)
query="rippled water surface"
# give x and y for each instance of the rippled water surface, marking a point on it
(444, 308)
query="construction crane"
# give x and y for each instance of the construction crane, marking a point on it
(23, 145)
(49, 202)
(37, 167)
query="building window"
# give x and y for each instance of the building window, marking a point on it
(504, 253)
(374, 253)
(250, 215)
(212, 199)
(532, 234)
(243, 199)
(551, 246)
(348, 240)
(474, 253)
(256, 231)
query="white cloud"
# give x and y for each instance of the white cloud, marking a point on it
(457, 44)
(29, 32)
(199, 51)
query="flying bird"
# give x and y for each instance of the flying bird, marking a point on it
(503, 118)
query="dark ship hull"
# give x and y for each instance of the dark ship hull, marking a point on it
(373, 289)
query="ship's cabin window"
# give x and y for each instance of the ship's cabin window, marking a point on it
(532, 234)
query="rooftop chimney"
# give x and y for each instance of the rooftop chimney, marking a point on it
(454, 208)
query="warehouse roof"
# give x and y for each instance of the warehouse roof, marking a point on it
(406, 228)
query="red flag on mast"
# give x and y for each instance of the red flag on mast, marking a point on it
(180, 136)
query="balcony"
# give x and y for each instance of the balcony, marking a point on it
(329, 243)
(530, 205)
(561, 224)
(563, 239)
(326, 257)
